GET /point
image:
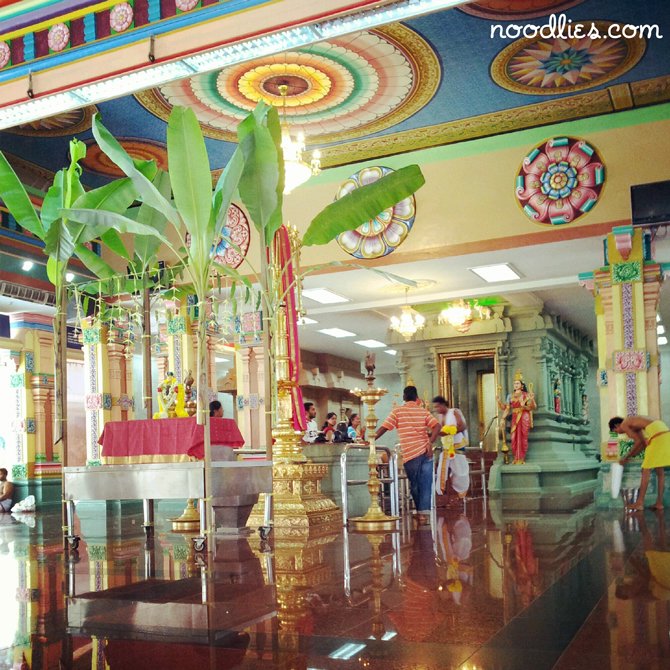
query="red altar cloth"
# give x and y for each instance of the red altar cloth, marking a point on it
(163, 440)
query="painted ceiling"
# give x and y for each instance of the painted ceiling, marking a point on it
(434, 80)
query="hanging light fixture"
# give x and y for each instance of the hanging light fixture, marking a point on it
(409, 322)
(296, 170)
(461, 314)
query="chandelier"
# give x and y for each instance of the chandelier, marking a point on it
(409, 321)
(296, 170)
(461, 314)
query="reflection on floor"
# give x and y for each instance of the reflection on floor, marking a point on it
(480, 589)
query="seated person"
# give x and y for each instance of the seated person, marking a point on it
(312, 432)
(216, 409)
(341, 432)
(6, 492)
(356, 430)
(328, 428)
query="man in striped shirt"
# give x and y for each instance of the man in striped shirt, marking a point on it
(414, 423)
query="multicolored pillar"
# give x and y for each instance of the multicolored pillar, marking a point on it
(626, 291)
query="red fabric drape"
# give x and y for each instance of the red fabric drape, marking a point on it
(283, 259)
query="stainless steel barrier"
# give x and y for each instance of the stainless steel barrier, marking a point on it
(392, 479)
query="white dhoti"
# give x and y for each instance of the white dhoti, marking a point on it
(5, 505)
(454, 469)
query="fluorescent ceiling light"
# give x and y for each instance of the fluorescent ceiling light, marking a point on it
(658, 318)
(323, 295)
(306, 321)
(371, 344)
(27, 266)
(662, 340)
(221, 360)
(390, 352)
(660, 329)
(69, 276)
(496, 273)
(337, 332)
(346, 651)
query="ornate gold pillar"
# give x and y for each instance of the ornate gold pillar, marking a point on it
(300, 508)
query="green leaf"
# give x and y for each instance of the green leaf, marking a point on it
(52, 270)
(146, 246)
(17, 201)
(148, 193)
(226, 186)
(53, 201)
(58, 241)
(112, 240)
(260, 177)
(94, 263)
(190, 175)
(363, 204)
(97, 222)
(116, 196)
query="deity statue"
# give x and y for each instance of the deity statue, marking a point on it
(521, 403)
(170, 399)
(585, 408)
(557, 396)
(190, 404)
(370, 363)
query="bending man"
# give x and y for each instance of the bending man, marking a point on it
(654, 436)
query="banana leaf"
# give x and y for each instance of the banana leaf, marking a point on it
(363, 204)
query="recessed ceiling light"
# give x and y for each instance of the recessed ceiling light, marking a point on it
(27, 266)
(660, 329)
(390, 352)
(495, 273)
(371, 344)
(306, 321)
(337, 332)
(323, 295)
(69, 276)
(662, 340)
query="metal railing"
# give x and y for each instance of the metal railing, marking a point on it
(392, 479)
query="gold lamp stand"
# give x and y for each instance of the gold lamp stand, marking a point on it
(375, 519)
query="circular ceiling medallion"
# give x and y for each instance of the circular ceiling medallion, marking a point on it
(560, 180)
(552, 66)
(141, 149)
(336, 90)
(236, 231)
(513, 10)
(121, 17)
(66, 123)
(58, 37)
(387, 231)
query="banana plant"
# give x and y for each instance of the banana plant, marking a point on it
(64, 238)
(255, 172)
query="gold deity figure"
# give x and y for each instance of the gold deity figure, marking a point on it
(170, 399)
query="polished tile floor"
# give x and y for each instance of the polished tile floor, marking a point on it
(480, 588)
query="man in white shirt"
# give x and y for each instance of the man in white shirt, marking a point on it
(454, 469)
(312, 428)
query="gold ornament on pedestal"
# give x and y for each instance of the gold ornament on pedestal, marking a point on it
(170, 399)
(375, 518)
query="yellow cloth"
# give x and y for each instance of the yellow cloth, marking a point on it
(657, 454)
(659, 566)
